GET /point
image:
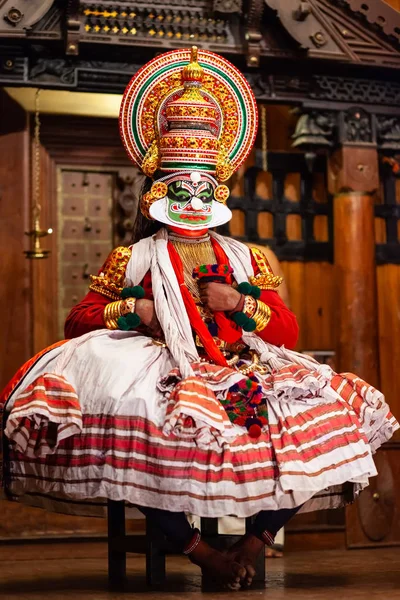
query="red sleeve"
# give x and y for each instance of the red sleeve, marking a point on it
(86, 316)
(282, 329)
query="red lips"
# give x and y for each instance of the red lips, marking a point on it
(193, 217)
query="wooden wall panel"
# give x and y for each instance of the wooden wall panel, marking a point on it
(44, 272)
(15, 292)
(388, 279)
(311, 285)
(312, 293)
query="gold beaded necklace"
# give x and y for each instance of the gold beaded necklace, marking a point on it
(193, 252)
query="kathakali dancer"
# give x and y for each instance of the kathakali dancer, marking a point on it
(178, 390)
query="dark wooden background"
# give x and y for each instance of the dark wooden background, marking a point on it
(30, 289)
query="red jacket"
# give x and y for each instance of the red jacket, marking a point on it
(87, 315)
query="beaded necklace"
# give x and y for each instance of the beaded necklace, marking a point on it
(193, 252)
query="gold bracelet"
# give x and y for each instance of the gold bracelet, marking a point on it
(262, 315)
(112, 312)
(109, 323)
(250, 306)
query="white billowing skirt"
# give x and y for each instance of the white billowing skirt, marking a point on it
(89, 420)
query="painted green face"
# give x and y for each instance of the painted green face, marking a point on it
(190, 205)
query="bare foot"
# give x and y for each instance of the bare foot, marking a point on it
(221, 567)
(246, 552)
(272, 552)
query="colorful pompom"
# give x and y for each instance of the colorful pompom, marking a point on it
(249, 290)
(211, 271)
(250, 325)
(245, 288)
(133, 292)
(133, 320)
(240, 319)
(254, 431)
(128, 322)
(123, 324)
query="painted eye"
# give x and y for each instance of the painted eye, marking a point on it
(205, 195)
(178, 195)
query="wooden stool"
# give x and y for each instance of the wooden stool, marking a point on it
(155, 546)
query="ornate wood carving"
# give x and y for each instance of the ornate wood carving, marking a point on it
(327, 28)
(355, 90)
(379, 13)
(228, 6)
(73, 25)
(315, 129)
(18, 16)
(253, 32)
(156, 25)
(324, 28)
(303, 23)
(388, 133)
(356, 127)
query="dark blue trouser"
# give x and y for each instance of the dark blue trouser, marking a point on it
(178, 530)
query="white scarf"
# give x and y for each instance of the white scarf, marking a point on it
(152, 254)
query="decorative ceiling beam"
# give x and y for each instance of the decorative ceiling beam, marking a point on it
(332, 29)
(253, 33)
(378, 13)
(73, 25)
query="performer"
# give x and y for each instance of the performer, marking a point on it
(178, 392)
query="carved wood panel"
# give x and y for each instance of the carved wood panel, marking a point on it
(86, 232)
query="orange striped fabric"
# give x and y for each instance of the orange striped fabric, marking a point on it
(193, 410)
(50, 405)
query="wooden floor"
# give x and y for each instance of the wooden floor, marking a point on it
(79, 571)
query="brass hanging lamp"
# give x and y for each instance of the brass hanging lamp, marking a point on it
(37, 233)
(264, 141)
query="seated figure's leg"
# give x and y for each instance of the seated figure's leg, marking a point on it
(174, 526)
(178, 530)
(269, 522)
(262, 533)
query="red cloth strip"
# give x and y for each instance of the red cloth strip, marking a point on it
(194, 316)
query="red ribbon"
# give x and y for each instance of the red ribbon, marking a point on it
(195, 319)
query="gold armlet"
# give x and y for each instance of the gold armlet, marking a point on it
(114, 310)
(262, 316)
(265, 280)
(110, 280)
(101, 289)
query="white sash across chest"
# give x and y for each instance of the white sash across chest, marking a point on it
(151, 254)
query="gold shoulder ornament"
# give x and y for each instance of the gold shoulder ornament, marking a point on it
(110, 280)
(265, 280)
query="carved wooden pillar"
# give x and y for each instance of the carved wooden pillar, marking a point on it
(353, 177)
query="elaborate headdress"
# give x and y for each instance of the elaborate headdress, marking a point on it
(191, 112)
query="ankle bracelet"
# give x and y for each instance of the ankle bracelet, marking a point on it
(194, 542)
(267, 538)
